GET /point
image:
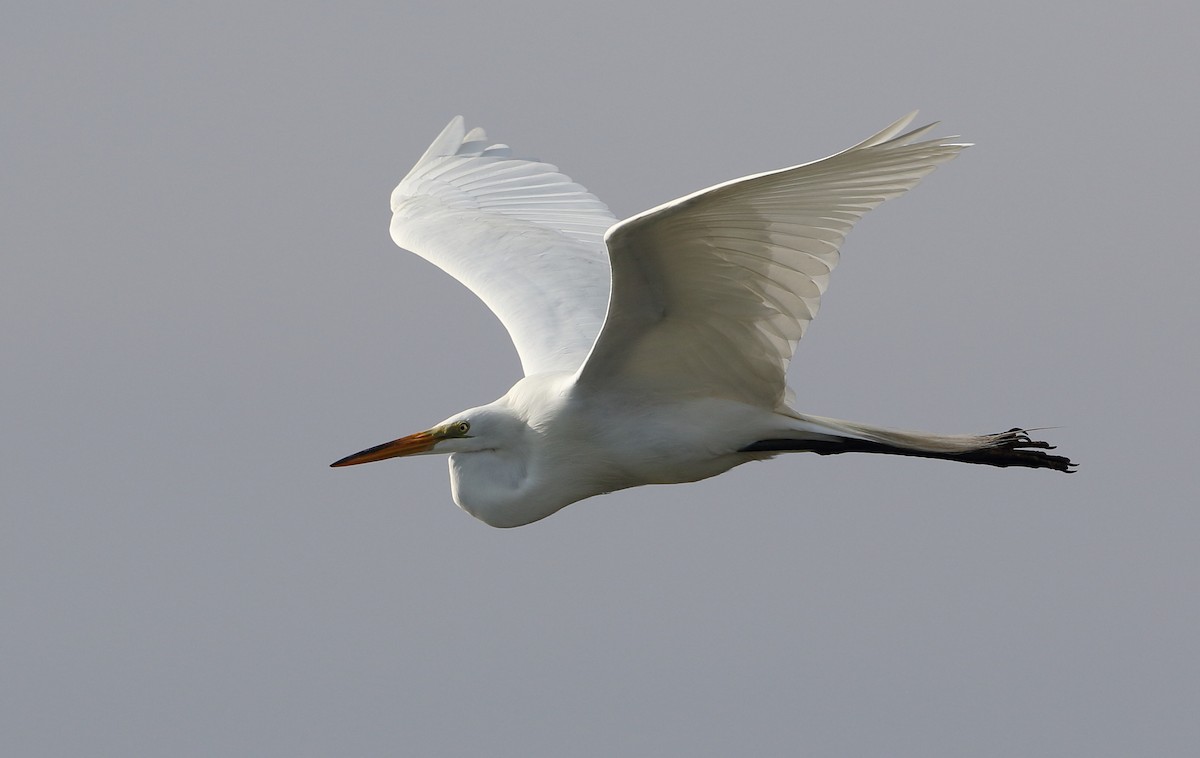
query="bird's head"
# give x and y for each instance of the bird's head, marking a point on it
(472, 431)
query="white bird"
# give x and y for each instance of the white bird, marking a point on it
(654, 349)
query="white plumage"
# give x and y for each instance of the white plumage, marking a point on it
(523, 237)
(678, 373)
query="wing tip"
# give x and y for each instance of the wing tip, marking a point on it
(447, 140)
(894, 135)
(889, 132)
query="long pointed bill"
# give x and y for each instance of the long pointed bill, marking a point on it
(421, 442)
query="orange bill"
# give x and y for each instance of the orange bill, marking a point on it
(421, 442)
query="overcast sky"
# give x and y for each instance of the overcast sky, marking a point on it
(201, 309)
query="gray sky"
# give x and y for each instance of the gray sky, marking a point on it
(202, 308)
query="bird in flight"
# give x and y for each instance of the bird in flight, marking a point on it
(655, 349)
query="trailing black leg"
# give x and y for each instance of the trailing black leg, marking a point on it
(1012, 448)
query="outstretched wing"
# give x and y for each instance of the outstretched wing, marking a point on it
(524, 238)
(711, 292)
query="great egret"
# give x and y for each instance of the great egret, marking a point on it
(655, 348)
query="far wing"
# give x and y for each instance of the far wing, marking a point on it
(712, 292)
(522, 236)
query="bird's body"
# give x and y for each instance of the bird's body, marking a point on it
(563, 444)
(655, 349)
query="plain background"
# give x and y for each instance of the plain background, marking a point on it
(202, 308)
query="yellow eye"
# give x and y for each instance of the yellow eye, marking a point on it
(462, 427)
